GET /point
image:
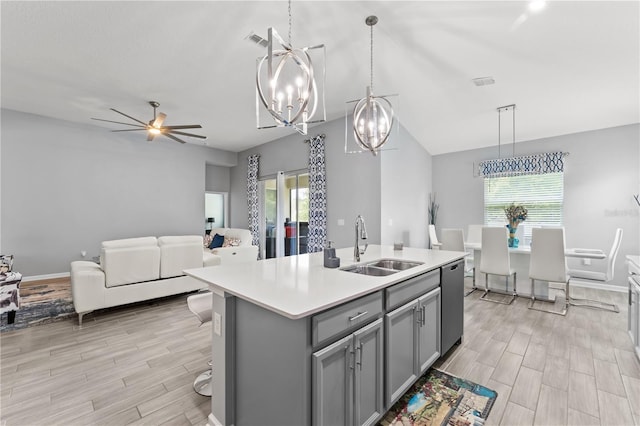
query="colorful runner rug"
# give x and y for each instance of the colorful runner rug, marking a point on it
(438, 398)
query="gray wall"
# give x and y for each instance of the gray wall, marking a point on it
(375, 187)
(406, 183)
(66, 187)
(601, 175)
(217, 178)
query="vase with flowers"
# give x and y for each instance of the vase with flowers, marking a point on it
(515, 214)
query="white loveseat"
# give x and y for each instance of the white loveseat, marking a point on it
(243, 252)
(137, 269)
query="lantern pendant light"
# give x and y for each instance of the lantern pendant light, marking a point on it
(287, 84)
(373, 116)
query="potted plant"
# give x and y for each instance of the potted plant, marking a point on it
(515, 214)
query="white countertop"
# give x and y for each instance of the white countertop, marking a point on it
(299, 286)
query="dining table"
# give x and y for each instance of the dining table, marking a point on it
(519, 258)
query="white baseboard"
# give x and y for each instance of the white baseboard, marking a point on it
(46, 277)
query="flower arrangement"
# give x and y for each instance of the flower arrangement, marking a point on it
(515, 214)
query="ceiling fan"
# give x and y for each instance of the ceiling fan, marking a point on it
(155, 126)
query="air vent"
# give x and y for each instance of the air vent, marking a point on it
(483, 81)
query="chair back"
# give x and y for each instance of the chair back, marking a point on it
(432, 235)
(474, 234)
(548, 262)
(452, 239)
(495, 251)
(611, 260)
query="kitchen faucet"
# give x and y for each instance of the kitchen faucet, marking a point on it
(361, 233)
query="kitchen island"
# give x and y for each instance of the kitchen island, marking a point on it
(296, 343)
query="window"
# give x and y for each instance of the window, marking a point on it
(540, 194)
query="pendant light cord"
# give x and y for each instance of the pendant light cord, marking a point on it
(290, 45)
(371, 76)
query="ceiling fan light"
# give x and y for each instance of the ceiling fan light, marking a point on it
(154, 130)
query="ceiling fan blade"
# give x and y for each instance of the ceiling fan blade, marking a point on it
(184, 126)
(118, 122)
(185, 134)
(157, 123)
(150, 136)
(174, 138)
(128, 130)
(128, 116)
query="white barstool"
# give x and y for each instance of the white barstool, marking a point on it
(201, 305)
(495, 260)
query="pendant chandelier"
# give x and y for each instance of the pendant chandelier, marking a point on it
(373, 116)
(287, 84)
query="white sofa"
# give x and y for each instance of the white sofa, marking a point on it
(137, 269)
(244, 252)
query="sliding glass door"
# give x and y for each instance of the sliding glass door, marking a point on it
(285, 213)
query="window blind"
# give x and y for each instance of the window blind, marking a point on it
(541, 194)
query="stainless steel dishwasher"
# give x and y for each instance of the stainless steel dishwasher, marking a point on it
(452, 310)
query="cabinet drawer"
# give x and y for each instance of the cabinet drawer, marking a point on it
(410, 289)
(345, 317)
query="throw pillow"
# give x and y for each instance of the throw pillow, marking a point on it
(217, 241)
(206, 240)
(231, 242)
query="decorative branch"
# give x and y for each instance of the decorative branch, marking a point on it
(637, 200)
(433, 209)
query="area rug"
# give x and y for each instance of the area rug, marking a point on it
(438, 398)
(38, 313)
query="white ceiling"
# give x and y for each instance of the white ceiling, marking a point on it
(572, 67)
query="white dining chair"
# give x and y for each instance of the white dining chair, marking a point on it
(433, 238)
(452, 239)
(495, 260)
(601, 277)
(548, 263)
(474, 236)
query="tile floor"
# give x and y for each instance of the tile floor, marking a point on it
(136, 365)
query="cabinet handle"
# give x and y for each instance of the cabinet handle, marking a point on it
(358, 315)
(351, 358)
(424, 315)
(359, 350)
(454, 267)
(418, 319)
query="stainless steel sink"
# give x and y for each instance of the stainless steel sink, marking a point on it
(398, 265)
(369, 270)
(381, 267)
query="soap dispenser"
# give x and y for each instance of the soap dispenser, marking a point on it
(330, 259)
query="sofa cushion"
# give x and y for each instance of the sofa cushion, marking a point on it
(126, 265)
(244, 235)
(131, 242)
(217, 241)
(231, 242)
(178, 253)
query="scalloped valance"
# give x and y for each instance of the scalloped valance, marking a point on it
(534, 164)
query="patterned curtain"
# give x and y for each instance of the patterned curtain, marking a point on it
(317, 195)
(535, 164)
(252, 199)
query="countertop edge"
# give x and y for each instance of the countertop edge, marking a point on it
(295, 315)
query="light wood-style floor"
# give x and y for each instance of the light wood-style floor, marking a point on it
(136, 365)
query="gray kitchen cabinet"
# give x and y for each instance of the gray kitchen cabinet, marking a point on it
(412, 342)
(348, 379)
